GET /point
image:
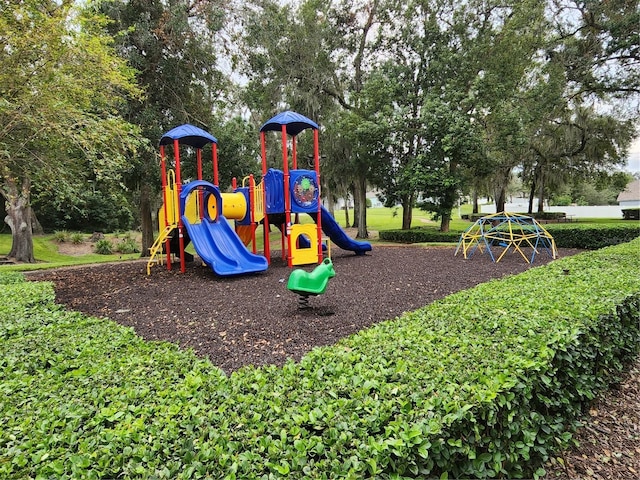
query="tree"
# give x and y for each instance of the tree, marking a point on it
(61, 87)
(598, 44)
(312, 59)
(581, 145)
(174, 48)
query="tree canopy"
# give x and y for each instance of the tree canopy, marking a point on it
(426, 101)
(62, 89)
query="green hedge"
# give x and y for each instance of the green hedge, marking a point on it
(566, 235)
(419, 235)
(592, 236)
(484, 383)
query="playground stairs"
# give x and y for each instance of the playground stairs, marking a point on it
(155, 252)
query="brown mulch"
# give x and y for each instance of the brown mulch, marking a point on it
(609, 442)
(255, 320)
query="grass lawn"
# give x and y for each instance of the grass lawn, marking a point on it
(45, 250)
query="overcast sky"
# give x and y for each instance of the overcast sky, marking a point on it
(633, 164)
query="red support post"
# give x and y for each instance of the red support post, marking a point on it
(265, 223)
(287, 199)
(316, 159)
(176, 155)
(214, 153)
(163, 174)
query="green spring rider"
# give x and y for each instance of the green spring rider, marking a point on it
(314, 283)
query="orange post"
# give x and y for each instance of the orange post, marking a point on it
(176, 155)
(316, 157)
(265, 223)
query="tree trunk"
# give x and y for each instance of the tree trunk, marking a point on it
(476, 208)
(541, 196)
(19, 220)
(501, 199)
(356, 206)
(532, 195)
(501, 189)
(331, 204)
(146, 222)
(407, 212)
(346, 210)
(445, 222)
(361, 193)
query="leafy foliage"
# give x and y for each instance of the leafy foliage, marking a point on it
(62, 86)
(484, 383)
(593, 236)
(84, 209)
(104, 247)
(419, 235)
(590, 236)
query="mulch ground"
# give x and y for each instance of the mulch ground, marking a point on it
(255, 320)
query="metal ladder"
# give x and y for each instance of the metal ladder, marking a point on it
(155, 251)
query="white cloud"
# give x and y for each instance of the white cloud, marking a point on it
(633, 161)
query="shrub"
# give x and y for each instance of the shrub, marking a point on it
(127, 245)
(77, 238)
(592, 236)
(484, 383)
(8, 278)
(61, 236)
(631, 213)
(104, 247)
(420, 235)
(566, 235)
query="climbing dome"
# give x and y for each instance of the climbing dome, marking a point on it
(502, 232)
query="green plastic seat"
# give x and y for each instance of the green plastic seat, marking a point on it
(314, 282)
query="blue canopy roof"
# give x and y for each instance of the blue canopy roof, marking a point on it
(295, 123)
(188, 135)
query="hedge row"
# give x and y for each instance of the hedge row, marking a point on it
(566, 235)
(484, 383)
(593, 236)
(420, 235)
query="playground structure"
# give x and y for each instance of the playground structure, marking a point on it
(200, 213)
(507, 231)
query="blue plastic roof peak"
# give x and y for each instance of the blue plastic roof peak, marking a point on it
(295, 123)
(188, 135)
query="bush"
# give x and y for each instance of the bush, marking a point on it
(484, 383)
(631, 213)
(419, 235)
(566, 235)
(83, 209)
(61, 236)
(8, 278)
(104, 247)
(592, 236)
(127, 245)
(77, 238)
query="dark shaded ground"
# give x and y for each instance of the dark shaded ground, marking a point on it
(255, 320)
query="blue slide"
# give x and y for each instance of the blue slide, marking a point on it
(332, 229)
(217, 243)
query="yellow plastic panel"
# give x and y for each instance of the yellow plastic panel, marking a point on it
(192, 208)
(304, 256)
(212, 207)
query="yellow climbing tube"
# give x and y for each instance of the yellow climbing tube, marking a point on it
(234, 205)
